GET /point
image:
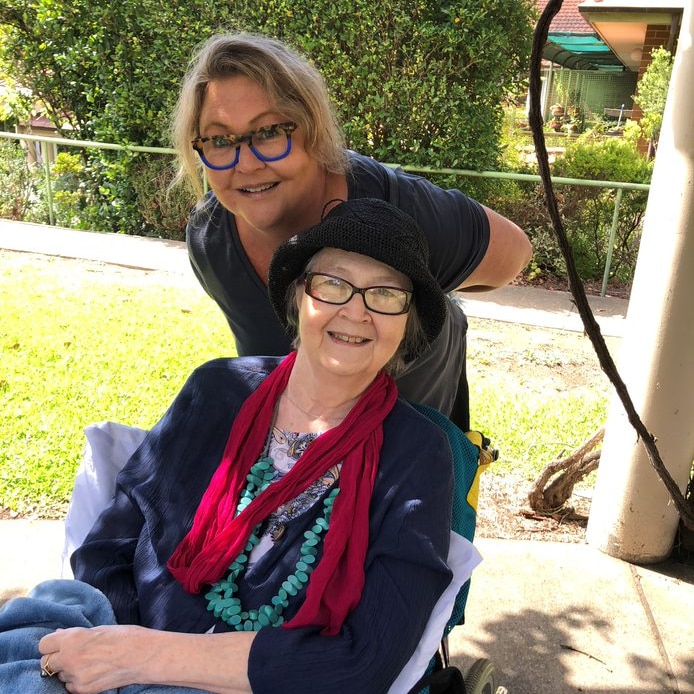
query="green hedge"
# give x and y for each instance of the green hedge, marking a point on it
(415, 81)
(586, 211)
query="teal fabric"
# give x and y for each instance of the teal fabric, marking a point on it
(464, 517)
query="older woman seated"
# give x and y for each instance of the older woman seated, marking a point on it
(285, 527)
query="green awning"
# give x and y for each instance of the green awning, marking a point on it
(581, 52)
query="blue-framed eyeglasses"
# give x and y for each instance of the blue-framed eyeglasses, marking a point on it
(392, 301)
(270, 143)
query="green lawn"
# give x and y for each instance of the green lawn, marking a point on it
(77, 348)
(82, 343)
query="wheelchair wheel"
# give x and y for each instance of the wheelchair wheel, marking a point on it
(481, 678)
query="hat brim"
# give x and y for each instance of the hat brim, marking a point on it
(291, 258)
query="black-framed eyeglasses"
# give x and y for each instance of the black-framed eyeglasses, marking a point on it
(270, 143)
(391, 301)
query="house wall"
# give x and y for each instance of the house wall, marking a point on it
(657, 36)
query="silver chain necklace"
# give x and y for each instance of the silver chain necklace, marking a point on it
(316, 416)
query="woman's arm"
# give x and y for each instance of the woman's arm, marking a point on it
(90, 661)
(472, 248)
(508, 252)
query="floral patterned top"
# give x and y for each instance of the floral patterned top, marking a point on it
(285, 448)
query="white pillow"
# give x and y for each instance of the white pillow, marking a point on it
(463, 557)
(109, 447)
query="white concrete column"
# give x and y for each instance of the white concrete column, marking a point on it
(632, 516)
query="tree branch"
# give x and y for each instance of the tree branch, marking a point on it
(591, 326)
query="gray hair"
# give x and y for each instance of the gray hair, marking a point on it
(292, 84)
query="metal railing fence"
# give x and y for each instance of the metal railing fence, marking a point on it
(618, 186)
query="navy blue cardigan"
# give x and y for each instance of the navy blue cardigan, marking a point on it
(158, 493)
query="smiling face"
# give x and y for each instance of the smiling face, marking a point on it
(349, 340)
(272, 197)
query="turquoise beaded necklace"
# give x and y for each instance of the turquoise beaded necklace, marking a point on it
(222, 599)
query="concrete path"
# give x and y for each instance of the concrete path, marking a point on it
(526, 305)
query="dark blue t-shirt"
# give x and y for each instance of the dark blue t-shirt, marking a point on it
(458, 233)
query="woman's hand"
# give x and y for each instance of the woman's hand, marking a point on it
(89, 661)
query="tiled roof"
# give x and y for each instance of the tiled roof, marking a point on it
(568, 20)
(41, 121)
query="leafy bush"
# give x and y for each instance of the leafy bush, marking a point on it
(163, 208)
(113, 187)
(586, 211)
(417, 82)
(17, 181)
(69, 191)
(651, 93)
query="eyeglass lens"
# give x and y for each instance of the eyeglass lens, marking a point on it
(267, 144)
(335, 290)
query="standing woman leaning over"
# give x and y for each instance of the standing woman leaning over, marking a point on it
(256, 116)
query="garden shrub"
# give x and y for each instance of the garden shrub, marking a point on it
(586, 211)
(414, 81)
(163, 208)
(114, 187)
(17, 181)
(651, 93)
(70, 197)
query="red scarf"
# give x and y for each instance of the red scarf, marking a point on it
(217, 538)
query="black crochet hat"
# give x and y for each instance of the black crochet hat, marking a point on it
(373, 228)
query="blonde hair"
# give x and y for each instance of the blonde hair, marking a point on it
(292, 84)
